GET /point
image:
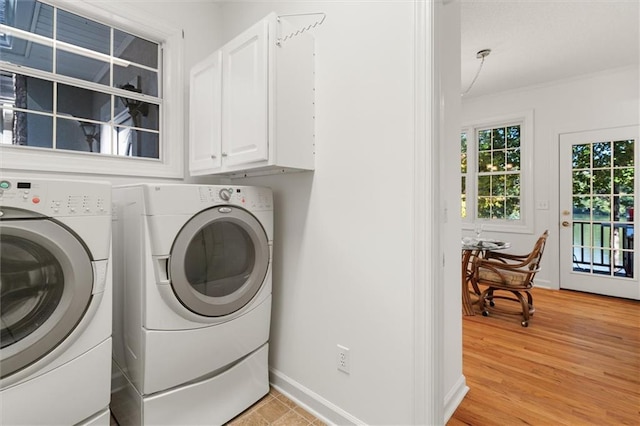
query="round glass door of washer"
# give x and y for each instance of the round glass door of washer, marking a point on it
(219, 261)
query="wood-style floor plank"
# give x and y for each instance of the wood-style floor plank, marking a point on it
(578, 363)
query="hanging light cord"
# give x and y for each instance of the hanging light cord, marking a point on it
(480, 55)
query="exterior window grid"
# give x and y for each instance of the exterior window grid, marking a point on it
(115, 93)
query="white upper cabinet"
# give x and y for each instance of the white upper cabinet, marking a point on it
(205, 114)
(252, 104)
(245, 87)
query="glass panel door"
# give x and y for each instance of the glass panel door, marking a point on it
(597, 197)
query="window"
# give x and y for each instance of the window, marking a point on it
(93, 93)
(495, 170)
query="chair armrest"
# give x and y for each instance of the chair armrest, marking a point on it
(492, 271)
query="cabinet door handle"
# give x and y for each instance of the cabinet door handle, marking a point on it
(224, 154)
(213, 157)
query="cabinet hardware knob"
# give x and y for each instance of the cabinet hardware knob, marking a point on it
(224, 154)
(566, 224)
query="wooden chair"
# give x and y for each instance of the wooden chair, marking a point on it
(511, 273)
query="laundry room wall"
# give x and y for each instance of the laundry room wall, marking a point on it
(343, 233)
(589, 102)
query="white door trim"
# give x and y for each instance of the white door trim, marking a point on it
(427, 287)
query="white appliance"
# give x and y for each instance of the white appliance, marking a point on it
(192, 302)
(55, 302)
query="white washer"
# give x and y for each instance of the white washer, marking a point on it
(55, 302)
(192, 301)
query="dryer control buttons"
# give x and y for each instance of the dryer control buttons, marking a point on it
(225, 193)
(5, 184)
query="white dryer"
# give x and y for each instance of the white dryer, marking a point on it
(55, 302)
(192, 301)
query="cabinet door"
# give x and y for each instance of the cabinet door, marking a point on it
(245, 97)
(205, 121)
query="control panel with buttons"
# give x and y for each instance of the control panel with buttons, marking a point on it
(64, 198)
(258, 198)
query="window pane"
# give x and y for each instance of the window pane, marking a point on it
(625, 208)
(82, 67)
(582, 182)
(512, 208)
(602, 181)
(602, 208)
(513, 159)
(498, 185)
(512, 183)
(463, 198)
(26, 129)
(623, 153)
(484, 140)
(83, 32)
(463, 153)
(135, 49)
(497, 208)
(70, 136)
(623, 180)
(484, 185)
(83, 103)
(513, 137)
(484, 162)
(581, 156)
(135, 143)
(498, 160)
(144, 114)
(30, 16)
(26, 92)
(498, 138)
(484, 208)
(601, 154)
(581, 208)
(28, 54)
(138, 79)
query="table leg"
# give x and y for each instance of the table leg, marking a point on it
(467, 305)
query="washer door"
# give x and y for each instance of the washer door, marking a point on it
(46, 283)
(219, 261)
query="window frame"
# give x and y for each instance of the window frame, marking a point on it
(525, 223)
(171, 164)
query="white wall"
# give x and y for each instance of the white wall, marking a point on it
(603, 100)
(343, 241)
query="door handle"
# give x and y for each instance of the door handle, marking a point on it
(566, 224)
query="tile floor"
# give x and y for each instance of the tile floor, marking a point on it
(274, 409)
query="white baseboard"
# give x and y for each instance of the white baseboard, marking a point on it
(311, 401)
(544, 284)
(454, 397)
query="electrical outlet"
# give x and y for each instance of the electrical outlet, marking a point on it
(343, 360)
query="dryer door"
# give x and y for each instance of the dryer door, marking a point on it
(219, 261)
(46, 283)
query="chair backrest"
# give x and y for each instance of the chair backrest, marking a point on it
(536, 253)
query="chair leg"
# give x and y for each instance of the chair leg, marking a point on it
(486, 295)
(525, 307)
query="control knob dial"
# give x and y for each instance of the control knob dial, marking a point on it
(225, 194)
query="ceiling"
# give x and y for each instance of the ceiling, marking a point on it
(536, 42)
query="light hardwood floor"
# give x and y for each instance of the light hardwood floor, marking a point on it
(578, 363)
